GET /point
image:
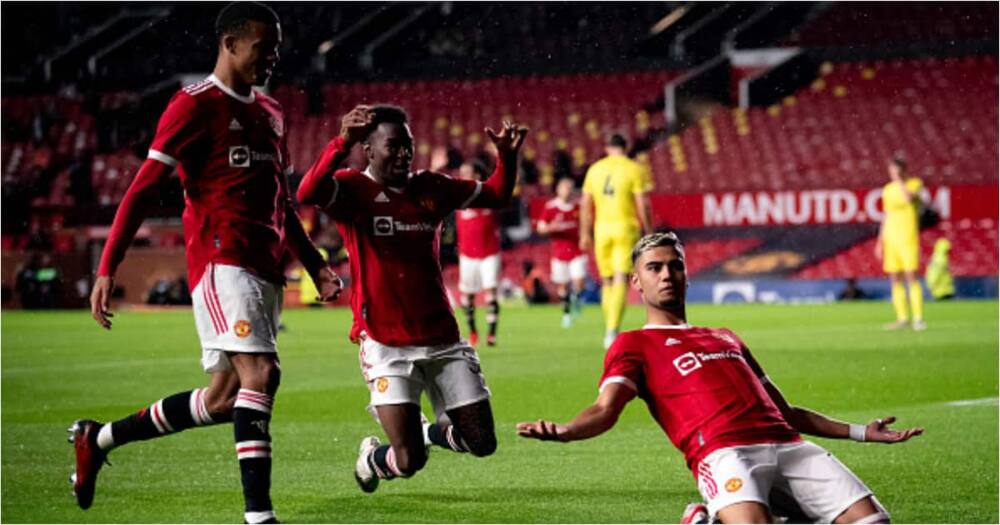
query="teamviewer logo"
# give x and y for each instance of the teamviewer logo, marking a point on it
(384, 226)
(687, 363)
(239, 157)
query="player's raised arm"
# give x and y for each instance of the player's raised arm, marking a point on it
(499, 188)
(593, 421)
(319, 187)
(141, 195)
(586, 221)
(811, 422)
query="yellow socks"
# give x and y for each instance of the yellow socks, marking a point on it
(617, 295)
(916, 301)
(899, 301)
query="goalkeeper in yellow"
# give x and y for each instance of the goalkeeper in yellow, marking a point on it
(614, 213)
(898, 245)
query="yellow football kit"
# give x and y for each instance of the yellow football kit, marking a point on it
(901, 246)
(900, 231)
(612, 183)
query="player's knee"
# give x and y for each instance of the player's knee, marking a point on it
(220, 404)
(410, 461)
(483, 446)
(879, 517)
(265, 376)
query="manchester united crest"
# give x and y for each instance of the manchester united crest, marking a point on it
(382, 384)
(734, 484)
(242, 328)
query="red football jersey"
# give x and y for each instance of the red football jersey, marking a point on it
(392, 237)
(231, 154)
(701, 385)
(478, 232)
(563, 220)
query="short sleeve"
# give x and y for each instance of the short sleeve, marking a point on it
(178, 131)
(588, 182)
(748, 356)
(623, 364)
(636, 180)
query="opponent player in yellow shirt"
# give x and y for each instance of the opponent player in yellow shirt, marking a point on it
(898, 245)
(614, 213)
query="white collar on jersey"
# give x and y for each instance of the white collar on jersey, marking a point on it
(227, 90)
(684, 326)
(368, 173)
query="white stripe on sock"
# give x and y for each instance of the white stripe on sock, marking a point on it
(105, 439)
(258, 517)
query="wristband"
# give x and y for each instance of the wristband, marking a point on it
(857, 432)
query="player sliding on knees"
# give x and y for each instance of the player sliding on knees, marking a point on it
(228, 143)
(739, 436)
(390, 218)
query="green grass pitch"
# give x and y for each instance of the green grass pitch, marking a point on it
(57, 367)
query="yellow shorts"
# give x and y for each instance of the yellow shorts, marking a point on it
(613, 252)
(900, 256)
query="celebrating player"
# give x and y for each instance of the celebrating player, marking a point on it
(616, 188)
(478, 257)
(561, 221)
(228, 143)
(390, 220)
(898, 244)
(703, 386)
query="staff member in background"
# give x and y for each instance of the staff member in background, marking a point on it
(938, 276)
(898, 244)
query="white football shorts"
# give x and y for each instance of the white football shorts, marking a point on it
(804, 472)
(475, 275)
(234, 311)
(561, 272)
(450, 374)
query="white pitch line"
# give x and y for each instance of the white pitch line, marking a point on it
(973, 402)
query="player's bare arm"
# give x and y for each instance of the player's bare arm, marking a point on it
(642, 210)
(811, 422)
(141, 194)
(586, 222)
(593, 421)
(328, 283)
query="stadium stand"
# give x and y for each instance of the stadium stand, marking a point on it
(573, 113)
(974, 253)
(884, 24)
(940, 114)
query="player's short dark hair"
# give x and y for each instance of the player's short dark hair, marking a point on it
(657, 240)
(900, 162)
(386, 113)
(235, 17)
(618, 140)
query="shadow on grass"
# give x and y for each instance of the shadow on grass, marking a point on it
(526, 504)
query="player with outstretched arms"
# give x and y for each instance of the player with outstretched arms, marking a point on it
(228, 142)
(390, 219)
(478, 231)
(568, 266)
(740, 437)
